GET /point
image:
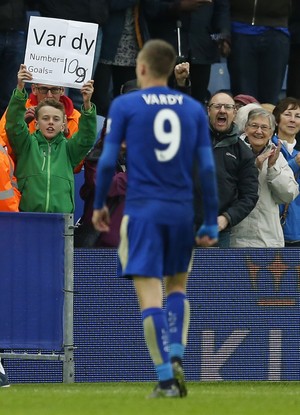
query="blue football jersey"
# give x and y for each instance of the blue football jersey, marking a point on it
(163, 130)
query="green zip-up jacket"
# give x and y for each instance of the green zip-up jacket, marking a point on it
(45, 168)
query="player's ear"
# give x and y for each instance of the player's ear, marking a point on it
(37, 126)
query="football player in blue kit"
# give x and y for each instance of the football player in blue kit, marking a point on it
(165, 133)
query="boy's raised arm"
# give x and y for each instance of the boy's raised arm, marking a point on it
(87, 92)
(23, 76)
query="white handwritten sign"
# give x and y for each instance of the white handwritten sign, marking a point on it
(60, 52)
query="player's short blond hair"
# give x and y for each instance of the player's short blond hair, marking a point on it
(160, 56)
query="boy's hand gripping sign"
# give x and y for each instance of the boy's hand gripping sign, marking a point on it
(60, 52)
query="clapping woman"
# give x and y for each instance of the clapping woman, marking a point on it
(277, 185)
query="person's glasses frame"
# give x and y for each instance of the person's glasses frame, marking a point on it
(255, 127)
(227, 107)
(44, 90)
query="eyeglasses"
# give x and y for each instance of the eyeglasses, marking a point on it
(264, 128)
(44, 90)
(227, 107)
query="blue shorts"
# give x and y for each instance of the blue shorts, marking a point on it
(155, 250)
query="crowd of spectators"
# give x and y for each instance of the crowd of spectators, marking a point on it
(256, 40)
(249, 34)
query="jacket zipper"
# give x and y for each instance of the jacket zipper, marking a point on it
(48, 178)
(254, 12)
(44, 160)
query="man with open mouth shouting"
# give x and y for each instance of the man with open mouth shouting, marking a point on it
(236, 172)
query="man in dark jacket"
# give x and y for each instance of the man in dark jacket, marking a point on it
(90, 11)
(123, 35)
(259, 47)
(13, 27)
(237, 175)
(208, 41)
(293, 73)
(293, 76)
(203, 29)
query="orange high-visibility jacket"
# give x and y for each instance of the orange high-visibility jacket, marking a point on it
(9, 193)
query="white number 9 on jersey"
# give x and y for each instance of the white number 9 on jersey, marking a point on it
(172, 137)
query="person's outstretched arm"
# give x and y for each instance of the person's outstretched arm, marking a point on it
(16, 127)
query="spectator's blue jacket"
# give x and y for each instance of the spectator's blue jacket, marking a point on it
(291, 229)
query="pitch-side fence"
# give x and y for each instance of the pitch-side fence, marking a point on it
(36, 288)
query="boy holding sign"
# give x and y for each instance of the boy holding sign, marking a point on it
(40, 92)
(45, 158)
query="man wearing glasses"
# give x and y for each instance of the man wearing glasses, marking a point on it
(38, 93)
(237, 175)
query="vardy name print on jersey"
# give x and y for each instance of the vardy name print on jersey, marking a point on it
(162, 99)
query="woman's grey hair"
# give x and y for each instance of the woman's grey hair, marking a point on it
(261, 112)
(242, 115)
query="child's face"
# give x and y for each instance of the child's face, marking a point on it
(50, 122)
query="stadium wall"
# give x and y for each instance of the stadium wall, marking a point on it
(244, 320)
